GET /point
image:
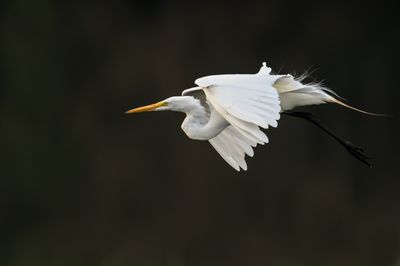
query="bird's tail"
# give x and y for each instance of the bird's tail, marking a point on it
(335, 100)
(293, 92)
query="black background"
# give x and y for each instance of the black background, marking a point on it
(84, 184)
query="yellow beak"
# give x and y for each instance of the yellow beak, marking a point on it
(146, 108)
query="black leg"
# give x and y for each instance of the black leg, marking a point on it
(354, 150)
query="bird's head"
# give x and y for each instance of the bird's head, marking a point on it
(175, 103)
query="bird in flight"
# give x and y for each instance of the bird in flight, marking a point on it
(229, 110)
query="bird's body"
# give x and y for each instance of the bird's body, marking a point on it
(228, 110)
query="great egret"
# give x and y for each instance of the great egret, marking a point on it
(228, 110)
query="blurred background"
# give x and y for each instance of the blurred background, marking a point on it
(84, 184)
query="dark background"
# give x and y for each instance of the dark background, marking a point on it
(84, 184)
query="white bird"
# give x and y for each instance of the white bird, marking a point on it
(228, 110)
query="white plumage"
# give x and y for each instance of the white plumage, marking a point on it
(228, 110)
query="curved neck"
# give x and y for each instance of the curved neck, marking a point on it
(201, 125)
(202, 122)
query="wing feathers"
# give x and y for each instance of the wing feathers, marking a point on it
(247, 102)
(232, 147)
(218, 147)
(241, 141)
(246, 107)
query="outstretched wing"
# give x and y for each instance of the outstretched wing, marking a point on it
(232, 146)
(247, 102)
